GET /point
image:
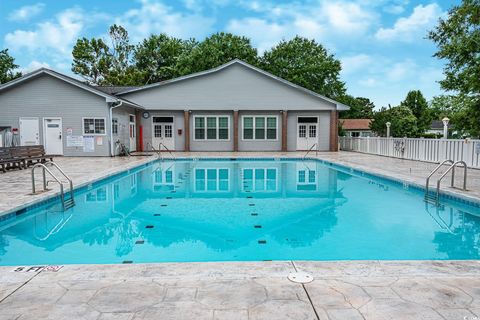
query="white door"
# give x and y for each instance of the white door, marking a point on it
(306, 135)
(53, 135)
(162, 133)
(132, 133)
(29, 134)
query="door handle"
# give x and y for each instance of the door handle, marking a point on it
(60, 137)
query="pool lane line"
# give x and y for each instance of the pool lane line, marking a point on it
(306, 292)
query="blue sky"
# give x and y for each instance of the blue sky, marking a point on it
(381, 43)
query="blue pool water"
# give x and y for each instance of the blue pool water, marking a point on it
(242, 210)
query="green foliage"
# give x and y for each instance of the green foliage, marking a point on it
(307, 64)
(416, 102)
(214, 51)
(461, 111)
(7, 67)
(403, 122)
(458, 40)
(101, 64)
(360, 108)
(157, 57)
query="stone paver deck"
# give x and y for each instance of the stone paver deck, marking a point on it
(240, 290)
(245, 290)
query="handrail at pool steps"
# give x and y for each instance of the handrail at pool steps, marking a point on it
(154, 150)
(310, 149)
(168, 150)
(434, 199)
(66, 204)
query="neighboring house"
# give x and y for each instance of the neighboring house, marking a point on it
(357, 127)
(436, 128)
(234, 107)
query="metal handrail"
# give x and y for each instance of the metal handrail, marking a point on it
(45, 169)
(153, 149)
(51, 163)
(309, 150)
(427, 183)
(169, 151)
(452, 167)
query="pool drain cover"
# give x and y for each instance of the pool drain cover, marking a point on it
(300, 277)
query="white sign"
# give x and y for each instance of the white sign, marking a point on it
(69, 131)
(99, 141)
(74, 141)
(477, 148)
(88, 144)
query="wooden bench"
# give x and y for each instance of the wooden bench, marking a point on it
(22, 157)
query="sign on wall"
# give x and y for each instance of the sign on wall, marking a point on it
(74, 141)
(88, 144)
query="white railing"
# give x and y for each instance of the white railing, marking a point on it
(430, 150)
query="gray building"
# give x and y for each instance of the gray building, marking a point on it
(234, 107)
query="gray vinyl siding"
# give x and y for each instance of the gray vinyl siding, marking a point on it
(323, 128)
(235, 87)
(211, 145)
(46, 96)
(260, 145)
(123, 136)
(178, 123)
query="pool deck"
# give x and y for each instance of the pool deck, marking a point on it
(240, 290)
(245, 290)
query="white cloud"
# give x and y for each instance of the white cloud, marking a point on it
(351, 64)
(399, 71)
(155, 17)
(25, 13)
(34, 65)
(347, 17)
(55, 36)
(413, 27)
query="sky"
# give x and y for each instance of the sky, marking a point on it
(382, 44)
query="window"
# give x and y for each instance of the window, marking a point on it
(260, 179)
(94, 126)
(211, 128)
(212, 179)
(114, 126)
(260, 128)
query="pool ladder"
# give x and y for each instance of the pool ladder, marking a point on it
(66, 203)
(434, 198)
(159, 151)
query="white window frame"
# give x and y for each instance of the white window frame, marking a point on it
(114, 125)
(206, 127)
(265, 179)
(94, 118)
(266, 127)
(217, 180)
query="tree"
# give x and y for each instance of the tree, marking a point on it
(458, 40)
(101, 64)
(157, 57)
(403, 122)
(216, 50)
(8, 67)
(461, 112)
(360, 108)
(416, 102)
(307, 64)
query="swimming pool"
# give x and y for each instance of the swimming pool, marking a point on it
(234, 209)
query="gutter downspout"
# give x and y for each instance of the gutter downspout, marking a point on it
(112, 152)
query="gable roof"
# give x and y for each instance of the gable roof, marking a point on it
(108, 97)
(340, 106)
(355, 124)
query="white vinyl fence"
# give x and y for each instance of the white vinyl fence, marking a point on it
(430, 150)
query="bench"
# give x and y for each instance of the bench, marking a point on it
(22, 157)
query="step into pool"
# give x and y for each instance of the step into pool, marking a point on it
(239, 210)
